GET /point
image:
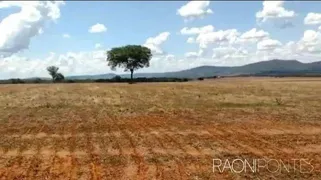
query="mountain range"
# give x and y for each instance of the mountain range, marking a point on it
(272, 67)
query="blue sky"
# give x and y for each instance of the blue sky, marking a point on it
(237, 33)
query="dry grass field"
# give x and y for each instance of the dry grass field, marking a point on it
(158, 130)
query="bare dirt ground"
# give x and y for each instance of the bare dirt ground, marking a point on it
(159, 130)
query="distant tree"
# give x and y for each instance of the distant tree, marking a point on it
(53, 71)
(130, 57)
(117, 78)
(59, 77)
(36, 80)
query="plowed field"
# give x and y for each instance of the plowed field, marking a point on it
(159, 130)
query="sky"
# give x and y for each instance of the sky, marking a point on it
(75, 36)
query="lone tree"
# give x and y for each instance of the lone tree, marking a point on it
(53, 71)
(130, 57)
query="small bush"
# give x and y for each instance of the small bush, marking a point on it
(70, 81)
(278, 101)
(36, 80)
(116, 78)
(200, 78)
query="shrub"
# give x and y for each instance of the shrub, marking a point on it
(70, 81)
(36, 80)
(116, 78)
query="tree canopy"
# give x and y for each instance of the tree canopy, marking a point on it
(130, 57)
(53, 71)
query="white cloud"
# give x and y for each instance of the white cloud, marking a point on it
(229, 52)
(217, 37)
(70, 63)
(312, 18)
(97, 45)
(253, 35)
(154, 43)
(310, 36)
(169, 57)
(310, 42)
(314, 49)
(268, 44)
(222, 47)
(40, 31)
(207, 39)
(239, 54)
(19, 28)
(66, 36)
(195, 30)
(288, 51)
(190, 40)
(273, 10)
(319, 28)
(97, 28)
(220, 52)
(306, 49)
(191, 54)
(194, 9)
(159, 39)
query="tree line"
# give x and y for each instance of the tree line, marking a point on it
(112, 80)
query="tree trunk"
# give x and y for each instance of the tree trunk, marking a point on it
(131, 75)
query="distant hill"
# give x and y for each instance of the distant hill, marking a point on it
(272, 67)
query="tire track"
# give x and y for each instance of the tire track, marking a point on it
(95, 166)
(17, 159)
(160, 169)
(181, 168)
(54, 162)
(226, 139)
(109, 123)
(179, 165)
(285, 155)
(142, 167)
(183, 172)
(139, 160)
(149, 144)
(272, 149)
(72, 160)
(142, 126)
(229, 136)
(35, 163)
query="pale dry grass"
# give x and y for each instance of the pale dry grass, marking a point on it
(157, 130)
